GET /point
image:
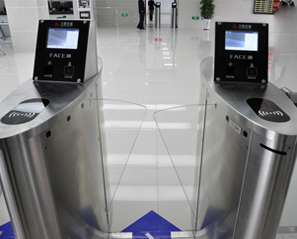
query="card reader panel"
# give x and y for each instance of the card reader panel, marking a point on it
(25, 111)
(268, 110)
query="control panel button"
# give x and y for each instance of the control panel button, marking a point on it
(68, 70)
(252, 71)
(48, 70)
(230, 70)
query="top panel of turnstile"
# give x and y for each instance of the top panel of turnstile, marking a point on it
(33, 104)
(263, 108)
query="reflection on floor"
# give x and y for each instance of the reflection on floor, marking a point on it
(157, 68)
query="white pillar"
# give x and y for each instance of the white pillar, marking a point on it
(23, 19)
(75, 9)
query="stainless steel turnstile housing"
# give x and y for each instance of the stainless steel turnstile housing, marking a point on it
(51, 167)
(247, 161)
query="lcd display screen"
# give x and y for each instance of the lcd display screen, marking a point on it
(241, 40)
(61, 38)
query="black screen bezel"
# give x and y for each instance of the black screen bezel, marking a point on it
(222, 56)
(63, 56)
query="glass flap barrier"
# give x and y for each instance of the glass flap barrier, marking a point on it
(182, 132)
(208, 157)
(120, 124)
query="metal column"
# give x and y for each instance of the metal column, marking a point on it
(158, 15)
(174, 15)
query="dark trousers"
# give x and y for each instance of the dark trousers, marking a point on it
(151, 14)
(141, 19)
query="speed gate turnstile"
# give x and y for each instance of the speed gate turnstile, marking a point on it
(52, 169)
(249, 147)
(50, 146)
(245, 179)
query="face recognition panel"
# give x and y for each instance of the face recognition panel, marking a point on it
(62, 50)
(241, 52)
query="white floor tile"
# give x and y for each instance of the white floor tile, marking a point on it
(289, 236)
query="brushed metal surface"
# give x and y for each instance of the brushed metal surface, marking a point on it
(290, 94)
(246, 176)
(91, 58)
(51, 167)
(30, 190)
(73, 152)
(173, 17)
(235, 95)
(265, 188)
(158, 17)
(10, 199)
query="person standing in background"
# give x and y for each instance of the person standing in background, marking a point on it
(141, 10)
(63, 8)
(151, 5)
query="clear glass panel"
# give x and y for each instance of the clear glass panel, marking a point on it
(120, 123)
(181, 129)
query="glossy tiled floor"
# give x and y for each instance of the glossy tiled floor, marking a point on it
(158, 69)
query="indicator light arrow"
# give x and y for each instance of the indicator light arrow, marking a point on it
(6, 231)
(151, 226)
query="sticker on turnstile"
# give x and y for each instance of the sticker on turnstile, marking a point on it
(235, 126)
(25, 111)
(268, 110)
